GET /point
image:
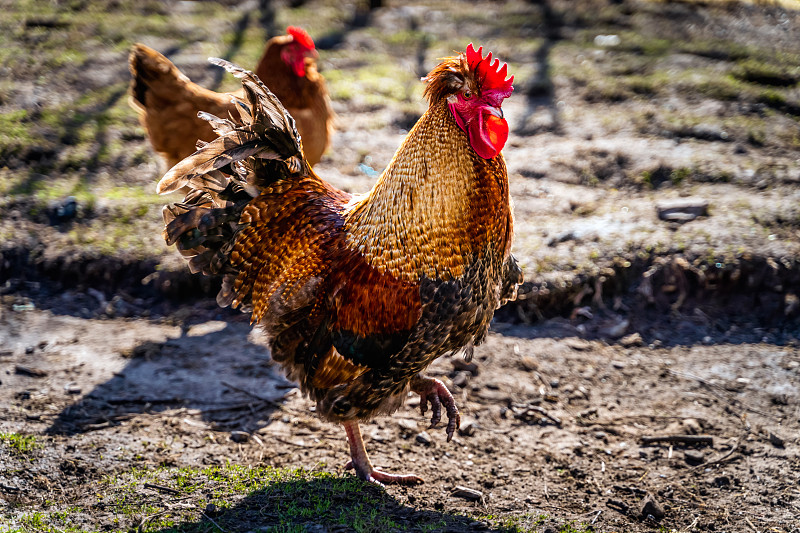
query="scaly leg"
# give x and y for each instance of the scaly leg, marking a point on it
(362, 465)
(434, 391)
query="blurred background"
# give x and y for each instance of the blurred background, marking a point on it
(619, 106)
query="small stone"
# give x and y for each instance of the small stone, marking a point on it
(721, 481)
(424, 438)
(779, 399)
(775, 440)
(467, 493)
(619, 365)
(29, 350)
(650, 507)
(240, 436)
(468, 427)
(460, 364)
(529, 363)
(579, 345)
(407, 426)
(682, 210)
(616, 330)
(694, 457)
(634, 339)
(692, 426)
(461, 379)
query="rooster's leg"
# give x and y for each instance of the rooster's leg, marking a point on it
(434, 391)
(362, 465)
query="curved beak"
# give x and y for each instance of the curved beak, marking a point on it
(496, 111)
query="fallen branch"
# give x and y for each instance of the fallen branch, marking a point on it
(161, 488)
(680, 439)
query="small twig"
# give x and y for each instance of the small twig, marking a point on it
(725, 457)
(254, 395)
(121, 400)
(28, 371)
(544, 413)
(634, 490)
(10, 489)
(691, 526)
(161, 488)
(212, 521)
(680, 439)
(234, 407)
(146, 519)
(596, 516)
(749, 523)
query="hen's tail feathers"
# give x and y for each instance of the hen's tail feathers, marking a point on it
(152, 72)
(267, 132)
(225, 174)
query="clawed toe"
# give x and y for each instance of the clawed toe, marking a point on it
(434, 391)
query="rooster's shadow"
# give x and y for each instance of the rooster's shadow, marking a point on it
(328, 504)
(213, 370)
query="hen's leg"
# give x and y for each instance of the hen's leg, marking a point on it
(362, 465)
(434, 391)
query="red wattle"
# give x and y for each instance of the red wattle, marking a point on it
(488, 134)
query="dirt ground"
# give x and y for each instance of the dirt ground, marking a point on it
(553, 425)
(646, 381)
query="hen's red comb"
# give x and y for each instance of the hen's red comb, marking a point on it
(301, 37)
(490, 72)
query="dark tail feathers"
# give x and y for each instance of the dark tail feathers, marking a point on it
(225, 174)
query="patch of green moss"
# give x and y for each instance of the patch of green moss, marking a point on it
(767, 73)
(716, 49)
(19, 444)
(15, 132)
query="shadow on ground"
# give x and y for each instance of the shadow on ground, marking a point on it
(327, 505)
(211, 368)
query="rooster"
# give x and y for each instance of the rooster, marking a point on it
(168, 102)
(358, 294)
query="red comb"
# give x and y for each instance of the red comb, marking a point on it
(301, 37)
(490, 72)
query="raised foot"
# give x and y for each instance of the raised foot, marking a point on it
(382, 478)
(434, 391)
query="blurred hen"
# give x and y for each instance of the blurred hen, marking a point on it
(168, 102)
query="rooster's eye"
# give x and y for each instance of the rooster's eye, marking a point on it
(467, 95)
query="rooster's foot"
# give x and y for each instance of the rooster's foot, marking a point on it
(382, 478)
(434, 391)
(361, 464)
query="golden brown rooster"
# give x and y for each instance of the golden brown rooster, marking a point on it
(359, 294)
(168, 102)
